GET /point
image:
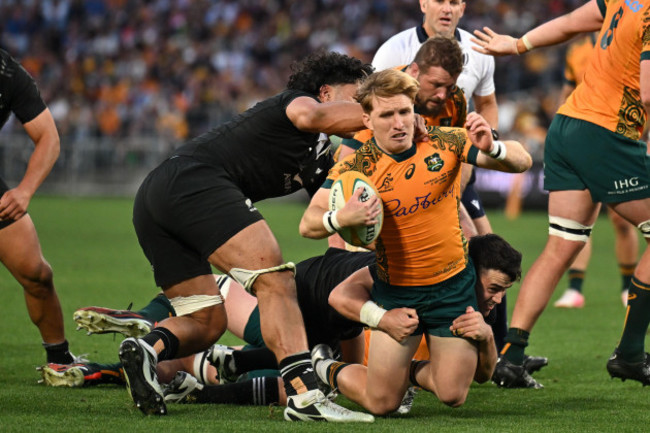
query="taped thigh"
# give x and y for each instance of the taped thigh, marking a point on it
(568, 229)
(184, 305)
(247, 278)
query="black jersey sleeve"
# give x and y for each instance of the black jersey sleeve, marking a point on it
(20, 90)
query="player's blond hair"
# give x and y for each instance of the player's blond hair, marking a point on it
(384, 84)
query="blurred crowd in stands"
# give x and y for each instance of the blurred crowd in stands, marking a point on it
(174, 68)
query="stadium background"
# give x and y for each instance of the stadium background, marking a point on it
(128, 80)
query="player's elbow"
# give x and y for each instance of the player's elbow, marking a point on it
(307, 230)
(521, 160)
(526, 163)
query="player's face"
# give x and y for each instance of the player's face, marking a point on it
(490, 288)
(392, 123)
(441, 16)
(436, 86)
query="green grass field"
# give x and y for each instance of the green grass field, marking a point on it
(97, 261)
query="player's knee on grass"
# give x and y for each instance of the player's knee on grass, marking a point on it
(453, 396)
(384, 404)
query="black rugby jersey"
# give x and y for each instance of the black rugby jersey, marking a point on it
(262, 151)
(315, 279)
(18, 91)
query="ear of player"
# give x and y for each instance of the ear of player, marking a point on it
(341, 191)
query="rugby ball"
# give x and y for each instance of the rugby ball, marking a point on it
(342, 189)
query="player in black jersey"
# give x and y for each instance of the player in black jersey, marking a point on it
(196, 210)
(20, 249)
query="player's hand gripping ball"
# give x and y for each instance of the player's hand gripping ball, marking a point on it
(341, 191)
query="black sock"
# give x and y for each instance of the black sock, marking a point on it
(254, 359)
(260, 391)
(169, 340)
(158, 309)
(516, 342)
(298, 374)
(58, 353)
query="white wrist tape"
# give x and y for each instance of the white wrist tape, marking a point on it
(371, 314)
(330, 222)
(498, 150)
(526, 42)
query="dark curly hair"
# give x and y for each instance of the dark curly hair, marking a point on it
(323, 67)
(491, 251)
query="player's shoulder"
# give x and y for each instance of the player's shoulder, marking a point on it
(397, 50)
(442, 136)
(405, 37)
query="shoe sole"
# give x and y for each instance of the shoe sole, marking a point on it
(71, 378)
(144, 395)
(98, 323)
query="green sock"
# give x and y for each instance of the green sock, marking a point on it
(636, 322)
(333, 371)
(516, 342)
(158, 309)
(627, 272)
(576, 278)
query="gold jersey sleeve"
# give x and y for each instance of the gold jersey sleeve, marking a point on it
(609, 94)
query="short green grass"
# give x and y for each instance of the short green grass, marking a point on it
(97, 261)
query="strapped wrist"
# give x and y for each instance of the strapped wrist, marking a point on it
(526, 42)
(330, 222)
(371, 314)
(498, 150)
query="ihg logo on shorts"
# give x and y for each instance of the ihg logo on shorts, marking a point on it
(626, 183)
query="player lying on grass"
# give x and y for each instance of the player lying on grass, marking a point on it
(316, 278)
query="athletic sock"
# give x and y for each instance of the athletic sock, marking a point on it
(58, 353)
(253, 359)
(330, 369)
(260, 391)
(576, 278)
(636, 322)
(298, 374)
(170, 342)
(516, 342)
(627, 272)
(158, 309)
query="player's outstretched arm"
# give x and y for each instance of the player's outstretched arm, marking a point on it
(331, 118)
(586, 18)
